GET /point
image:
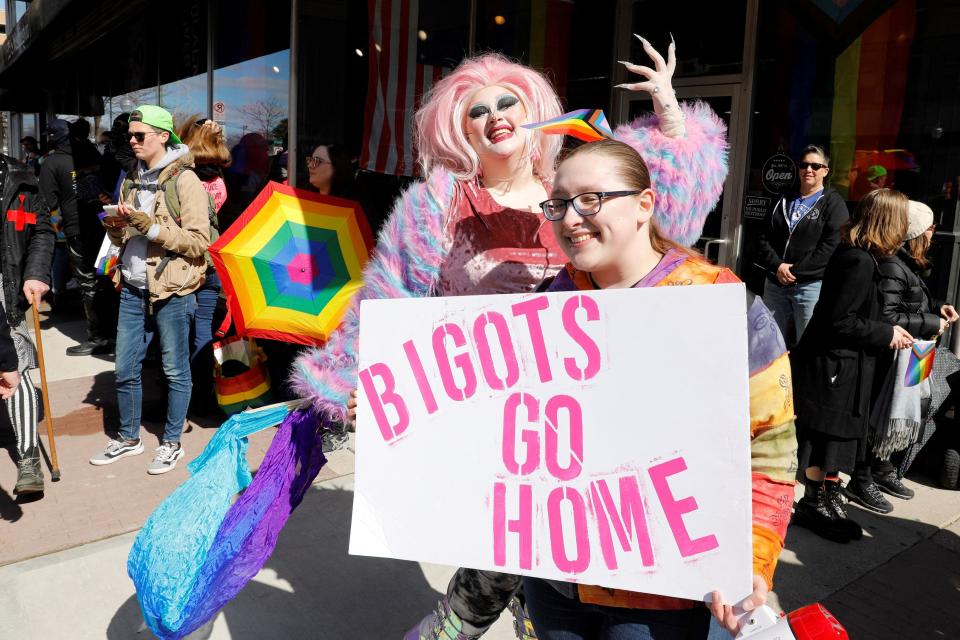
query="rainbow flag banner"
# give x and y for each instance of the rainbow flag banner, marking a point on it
(920, 364)
(588, 125)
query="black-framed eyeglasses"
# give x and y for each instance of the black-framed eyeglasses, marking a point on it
(586, 204)
(816, 166)
(315, 161)
(140, 136)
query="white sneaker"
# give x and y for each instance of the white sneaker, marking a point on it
(166, 459)
(117, 449)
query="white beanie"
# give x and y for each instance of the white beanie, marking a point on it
(920, 218)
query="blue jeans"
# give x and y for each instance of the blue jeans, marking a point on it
(792, 305)
(135, 331)
(557, 617)
(201, 350)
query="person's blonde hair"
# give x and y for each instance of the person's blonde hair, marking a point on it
(205, 141)
(879, 223)
(917, 248)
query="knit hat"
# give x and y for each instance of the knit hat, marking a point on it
(920, 218)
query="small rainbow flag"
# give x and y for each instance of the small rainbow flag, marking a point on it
(107, 265)
(588, 125)
(920, 364)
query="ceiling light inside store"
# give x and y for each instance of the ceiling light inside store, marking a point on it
(358, 52)
(422, 34)
(376, 45)
(499, 20)
(276, 69)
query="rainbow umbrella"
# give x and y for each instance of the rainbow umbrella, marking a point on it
(291, 263)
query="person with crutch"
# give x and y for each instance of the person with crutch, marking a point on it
(26, 255)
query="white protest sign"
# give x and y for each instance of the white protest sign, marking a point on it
(599, 437)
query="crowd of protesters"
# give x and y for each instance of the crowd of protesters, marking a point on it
(844, 291)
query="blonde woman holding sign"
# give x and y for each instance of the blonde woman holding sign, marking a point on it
(602, 208)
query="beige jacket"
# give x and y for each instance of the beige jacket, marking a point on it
(185, 243)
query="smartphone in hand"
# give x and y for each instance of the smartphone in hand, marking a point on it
(111, 218)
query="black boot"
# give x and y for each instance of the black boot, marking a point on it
(839, 506)
(815, 512)
(29, 474)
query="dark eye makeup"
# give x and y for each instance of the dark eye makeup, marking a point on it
(504, 102)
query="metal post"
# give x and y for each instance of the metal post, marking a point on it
(472, 37)
(211, 41)
(294, 93)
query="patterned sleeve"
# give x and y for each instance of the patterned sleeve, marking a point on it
(687, 173)
(773, 439)
(404, 264)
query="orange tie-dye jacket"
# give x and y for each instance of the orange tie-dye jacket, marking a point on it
(773, 435)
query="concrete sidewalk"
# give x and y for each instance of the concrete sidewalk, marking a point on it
(63, 558)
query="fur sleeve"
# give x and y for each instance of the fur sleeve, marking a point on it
(687, 172)
(405, 264)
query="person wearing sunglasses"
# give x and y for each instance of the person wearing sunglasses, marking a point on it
(161, 264)
(799, 237)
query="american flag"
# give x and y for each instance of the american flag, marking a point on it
(396, 84)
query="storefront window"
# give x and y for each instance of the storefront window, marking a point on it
(251, 83)
(709, 35)
(873, 86)
(183, 61)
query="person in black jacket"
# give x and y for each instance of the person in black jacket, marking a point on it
(905, 301)
(59, 190)
(25, 260)
(835, 362)
(800, 236)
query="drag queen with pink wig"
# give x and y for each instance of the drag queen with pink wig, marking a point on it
(474, 226)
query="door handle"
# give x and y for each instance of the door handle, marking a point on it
(707, 242)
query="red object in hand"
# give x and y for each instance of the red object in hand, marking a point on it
(814, 622)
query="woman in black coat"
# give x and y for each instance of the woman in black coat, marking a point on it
(905, 301)
(835, 362)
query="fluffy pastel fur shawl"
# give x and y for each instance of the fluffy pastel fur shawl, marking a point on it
(687, 175)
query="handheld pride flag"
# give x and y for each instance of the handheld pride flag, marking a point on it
(920, 364)
(588, 125)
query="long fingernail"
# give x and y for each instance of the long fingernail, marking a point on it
(624, 62)
(621, 86)
(640, 38)
(672, 41)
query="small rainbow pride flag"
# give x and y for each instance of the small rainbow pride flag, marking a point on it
(588, 125)
(920, 364)
(107, 265)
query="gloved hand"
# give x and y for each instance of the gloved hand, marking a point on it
(140, 221)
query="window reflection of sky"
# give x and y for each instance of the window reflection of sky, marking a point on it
(255, 93)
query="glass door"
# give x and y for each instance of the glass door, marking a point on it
(720, 238)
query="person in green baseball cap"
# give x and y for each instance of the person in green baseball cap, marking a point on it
(161, 237)
(156, 117)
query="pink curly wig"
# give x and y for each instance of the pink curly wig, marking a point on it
(441, 140)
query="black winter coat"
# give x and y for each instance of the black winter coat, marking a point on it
(58, 187)
(812, 242)
(28, 251)
(835, 363)
(9, 361)
(905, 299)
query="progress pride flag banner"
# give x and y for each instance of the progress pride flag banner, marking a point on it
(598, 437)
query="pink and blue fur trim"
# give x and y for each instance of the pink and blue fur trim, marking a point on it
(687, 175)
(687, 172)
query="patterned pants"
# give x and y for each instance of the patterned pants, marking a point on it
(479, 597)
(22, 412)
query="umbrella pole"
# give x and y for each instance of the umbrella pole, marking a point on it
(48, 415)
